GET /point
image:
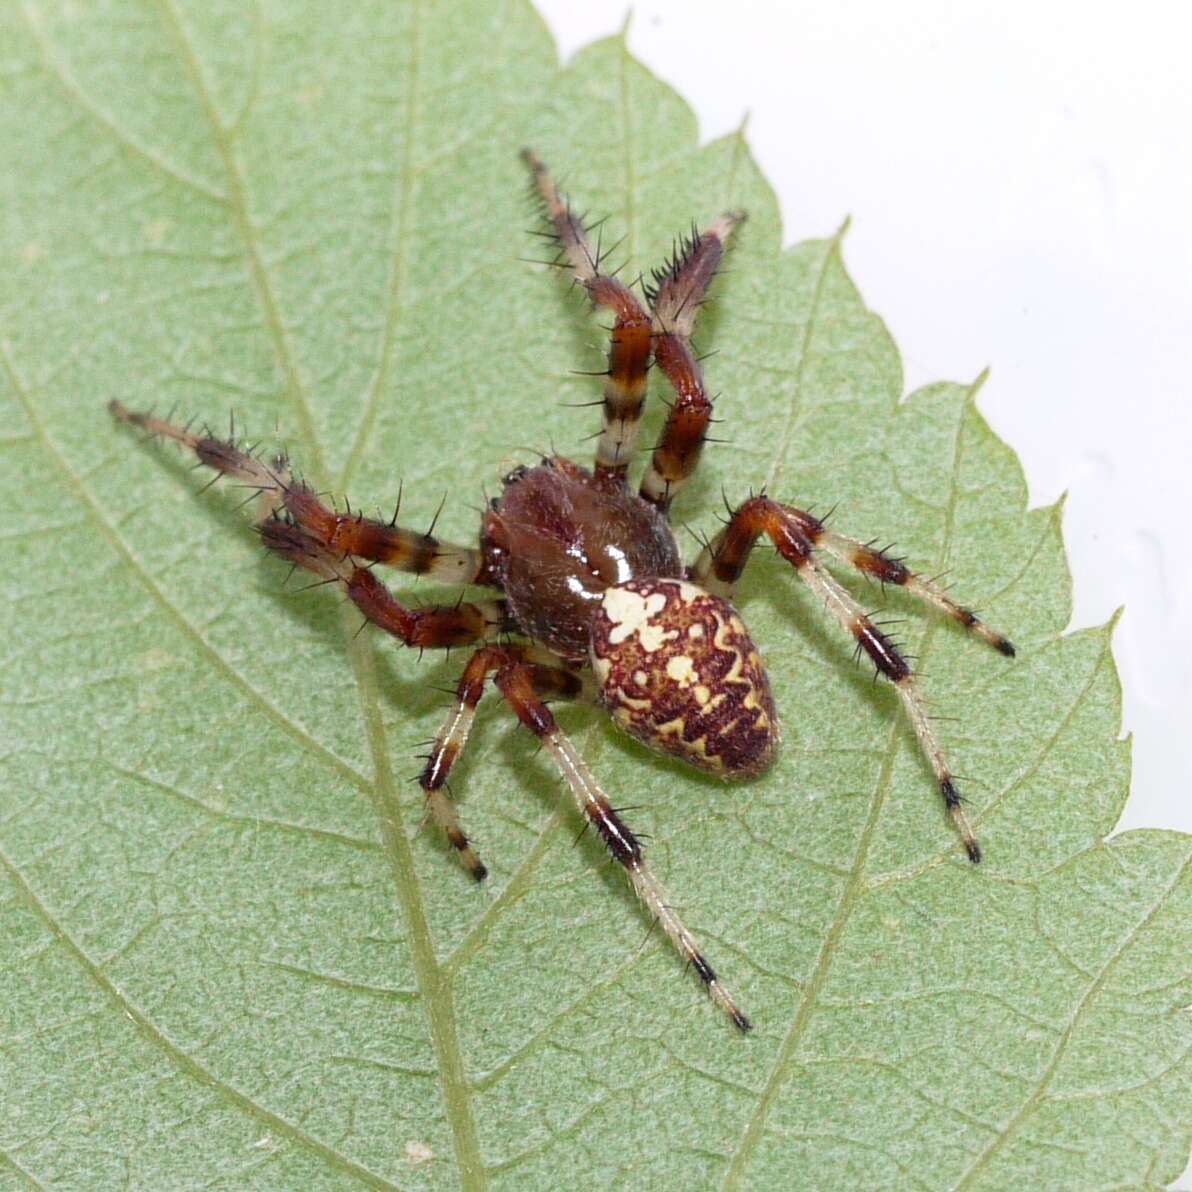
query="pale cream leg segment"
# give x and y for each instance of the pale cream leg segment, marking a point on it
(594, 804)
(544, 675)
(629, 345)
(892, 571)
(449, 744)
(841, 604)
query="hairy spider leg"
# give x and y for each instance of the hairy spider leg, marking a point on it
(516, 682)
(676, 295)
(677, 292)
(547, 680)
(434, 627)
(297, 526)
(795, 534)
(881, 566)
(629, 345)
(718, 574)
(339, 533)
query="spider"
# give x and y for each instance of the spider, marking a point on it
(595, 601)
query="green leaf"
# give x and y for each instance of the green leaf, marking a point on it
(231, 953)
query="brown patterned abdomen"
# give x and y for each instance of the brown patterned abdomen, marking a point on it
(677, 668)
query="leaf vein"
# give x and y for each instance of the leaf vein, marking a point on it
(91, 506)
(1015, 1124)
(56, 70)
(237, 204)
(853, 888)
(177, 1055)
(793, 409)
(395, 292)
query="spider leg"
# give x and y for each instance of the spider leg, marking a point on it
(675, 298)
(629, 347)
(888, 570)
(429, 628)
(453, 736)
(720, 564)
(517, 683)
(339, 533)
(796, 534)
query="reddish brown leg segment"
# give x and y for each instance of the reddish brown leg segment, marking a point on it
(796, 534)
(516, 682)
(339, 533)
(629, 349)
(312, 537)
(453, 737)
(676, 297)
(719, 566)
(881, 566)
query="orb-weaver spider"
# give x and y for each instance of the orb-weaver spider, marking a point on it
(591, 578)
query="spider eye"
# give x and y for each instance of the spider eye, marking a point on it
(678, 670)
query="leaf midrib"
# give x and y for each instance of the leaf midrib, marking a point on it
(236, 203)
(91, 505)
(437, 994)
(395, 289)
(435, 977)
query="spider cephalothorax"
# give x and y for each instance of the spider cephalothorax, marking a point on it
(590, 578)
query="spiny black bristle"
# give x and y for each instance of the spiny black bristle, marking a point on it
(681, 253)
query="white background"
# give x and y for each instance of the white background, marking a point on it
(1020, 181)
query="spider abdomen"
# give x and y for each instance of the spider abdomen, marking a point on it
(565, 538)
(677, 669)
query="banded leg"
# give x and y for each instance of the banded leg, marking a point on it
(339, 533)
(864, 558)
(719, 565)
(629, 347)
(435, 627)
(795, 534)
(453, 737)
(675, 298)
(516, 683)
(312, 537)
